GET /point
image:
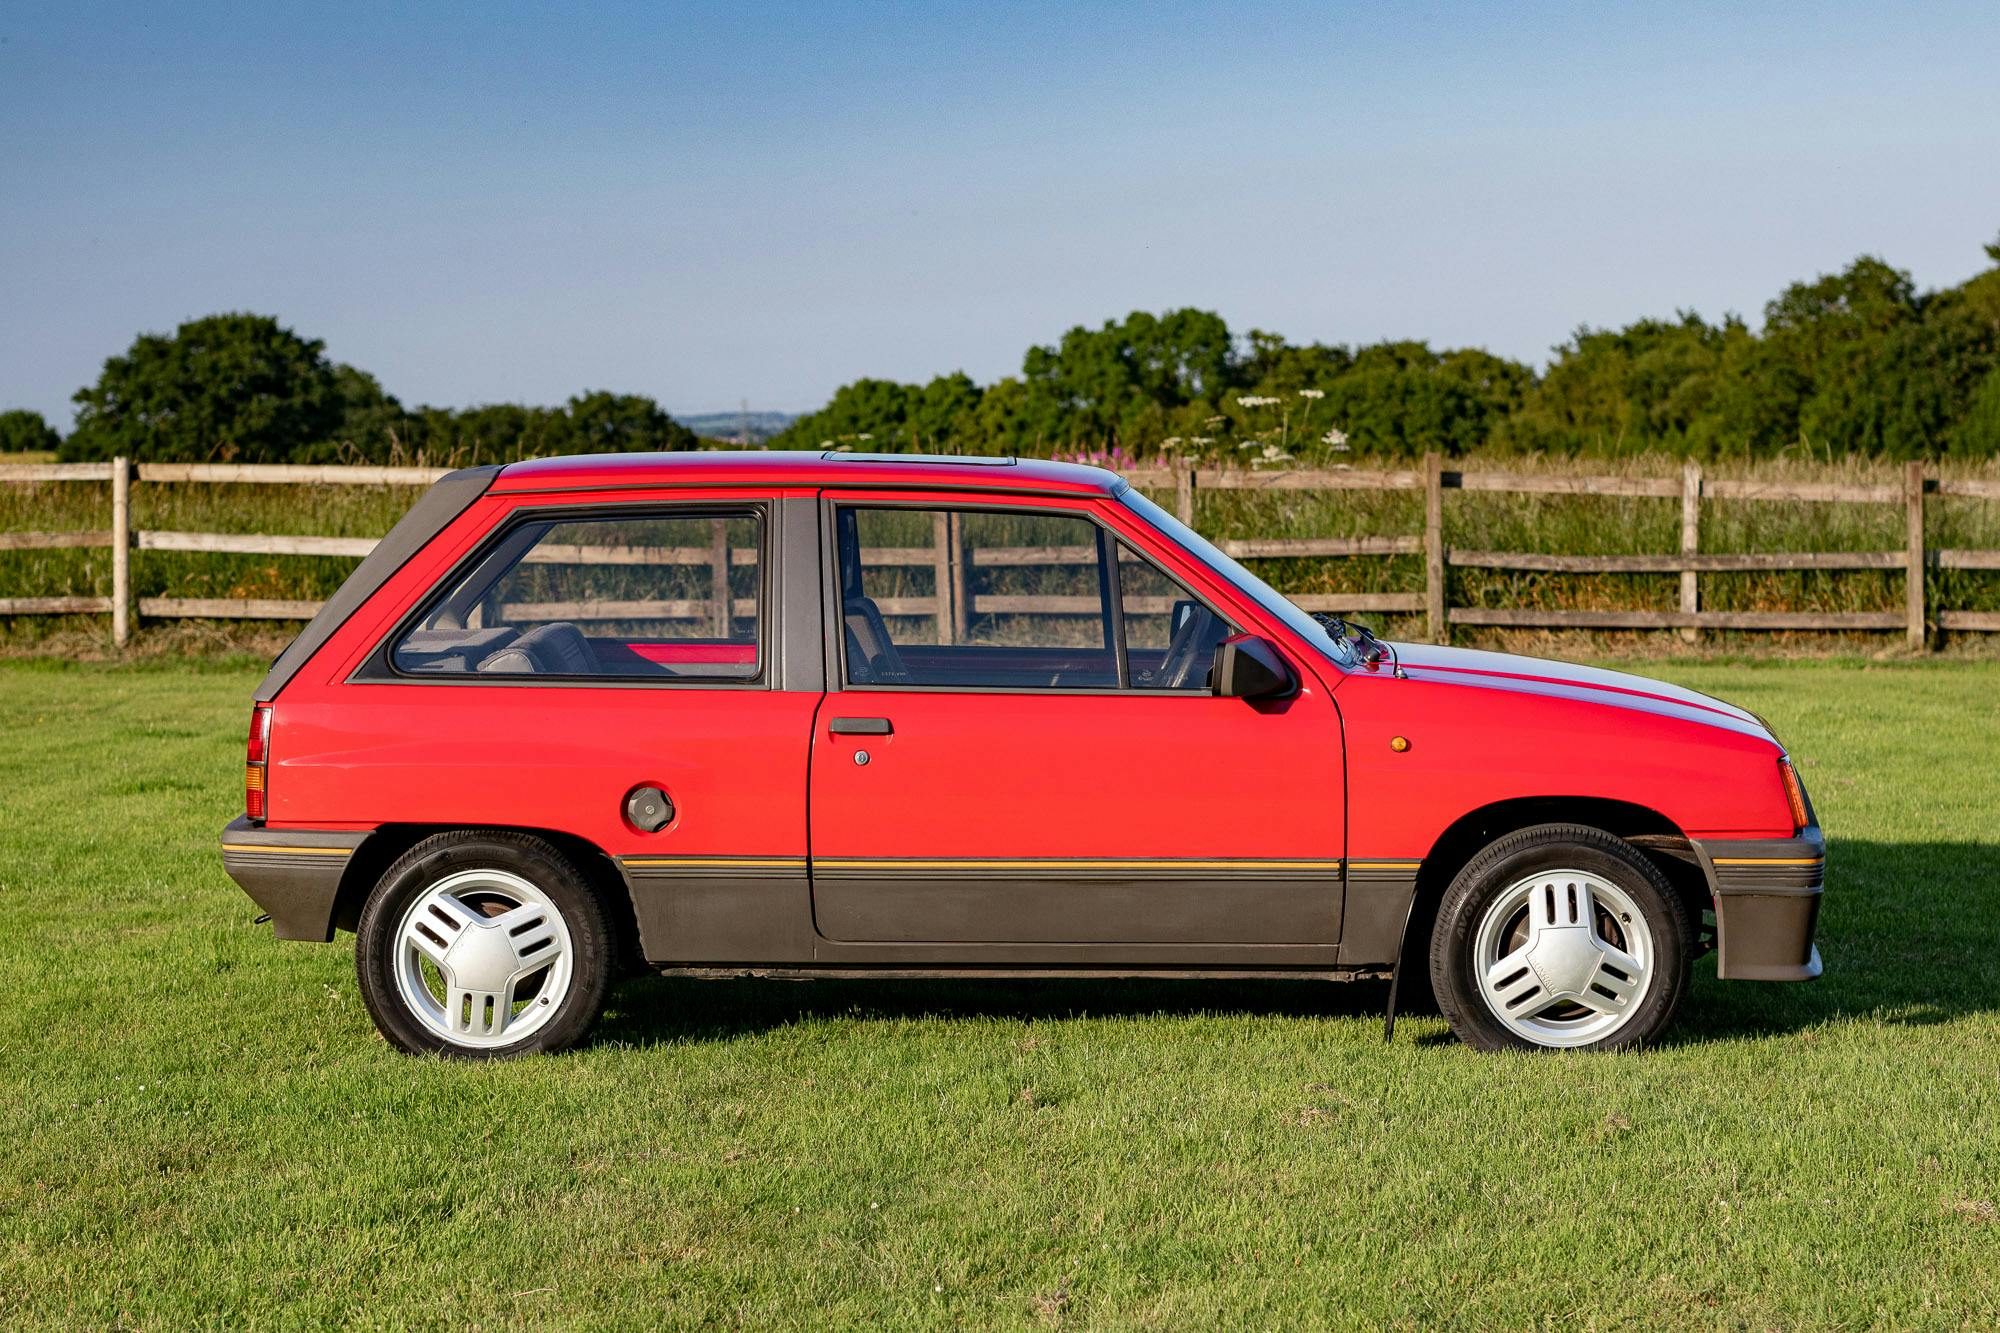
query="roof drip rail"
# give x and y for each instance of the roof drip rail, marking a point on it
(980, 460)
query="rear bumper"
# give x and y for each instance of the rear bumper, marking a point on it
(294, 874)
(1767, 894)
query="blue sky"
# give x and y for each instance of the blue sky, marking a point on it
(708, 203)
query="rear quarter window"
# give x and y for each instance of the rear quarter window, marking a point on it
(646, 596)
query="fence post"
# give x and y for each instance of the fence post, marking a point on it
(1184, 491)
(1913, 576)
(941, 574)
(1434, 546)
(121, 552)
(961, 580)
(723, 611)
(1690, 543)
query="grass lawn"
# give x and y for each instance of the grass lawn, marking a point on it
(203, 1129)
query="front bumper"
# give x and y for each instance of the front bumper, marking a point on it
(1767, 894)
(294, 874)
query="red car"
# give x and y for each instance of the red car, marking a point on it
(840, 715)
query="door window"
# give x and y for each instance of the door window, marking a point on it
(655, 596)
(1170, 635)
(1015, 599)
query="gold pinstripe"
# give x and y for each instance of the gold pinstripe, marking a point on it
(287, 851)
(744, 862)
(1769, 860)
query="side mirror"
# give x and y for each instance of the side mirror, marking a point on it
(1247, 667)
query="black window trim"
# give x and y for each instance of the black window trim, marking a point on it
(832, 502)
(379, 667)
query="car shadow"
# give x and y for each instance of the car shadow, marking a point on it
(653, 1010)
(1909, 933)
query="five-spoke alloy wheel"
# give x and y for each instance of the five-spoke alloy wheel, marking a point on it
(483, 944)
(1560, 936)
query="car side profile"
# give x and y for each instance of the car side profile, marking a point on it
(815, 715)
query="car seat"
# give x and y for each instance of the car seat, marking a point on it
(555, 649)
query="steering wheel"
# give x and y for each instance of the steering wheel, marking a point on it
(1184, 651)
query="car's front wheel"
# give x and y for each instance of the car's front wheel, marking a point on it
(483, 944)
(1560, 936)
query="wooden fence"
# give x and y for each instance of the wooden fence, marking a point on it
(1691, 490)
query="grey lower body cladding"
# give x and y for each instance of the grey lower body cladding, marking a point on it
(1767, 895)
(293, 874)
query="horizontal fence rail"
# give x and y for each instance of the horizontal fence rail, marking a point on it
(1692, 490)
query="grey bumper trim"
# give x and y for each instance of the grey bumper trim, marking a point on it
(1767, 895)
(294, 874)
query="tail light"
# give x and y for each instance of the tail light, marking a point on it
(257, 761)
(1795, 794)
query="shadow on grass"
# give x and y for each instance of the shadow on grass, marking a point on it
(650, 1010)
(1909, 932)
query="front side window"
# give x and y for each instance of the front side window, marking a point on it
(1015, 599)
(650, 597)
(1170, 637)
(1258, 591)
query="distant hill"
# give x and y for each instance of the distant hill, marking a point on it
(761, 426)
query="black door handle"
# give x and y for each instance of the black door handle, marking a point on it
(860, 726)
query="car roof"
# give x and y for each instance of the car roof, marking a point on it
(751, 467)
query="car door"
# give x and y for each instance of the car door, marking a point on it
(1020, 744)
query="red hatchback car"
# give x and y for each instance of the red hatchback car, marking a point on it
(840, 715)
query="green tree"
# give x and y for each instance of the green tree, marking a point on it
(25, 432)
(883, 416)
(869, 415)
(1623, 390)
(601, 422)
(372, 426)
(1119, 383)
(489, 433)
(1977, 432)
(235, 387)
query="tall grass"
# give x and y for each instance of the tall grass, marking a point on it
(1556, 524)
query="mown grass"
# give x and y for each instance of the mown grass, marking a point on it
(203, 1129)
(1564, 525)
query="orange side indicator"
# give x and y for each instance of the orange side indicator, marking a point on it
(1794, 794)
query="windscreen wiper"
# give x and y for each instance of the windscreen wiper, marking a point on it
(1369, 648)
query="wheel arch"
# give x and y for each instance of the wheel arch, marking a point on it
(1656, 836)
(382, 847)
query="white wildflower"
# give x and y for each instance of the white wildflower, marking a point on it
(1254, 400)
(1312, 393)
(1336, 438)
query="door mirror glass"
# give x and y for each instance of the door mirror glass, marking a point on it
(1247, 667)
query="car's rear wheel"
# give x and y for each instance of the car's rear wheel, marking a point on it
(484, 945)
(1560, 937)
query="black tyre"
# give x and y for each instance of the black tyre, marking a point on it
(484, 945)
(1560, 937)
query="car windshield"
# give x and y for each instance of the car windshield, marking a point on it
(1260, 592)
